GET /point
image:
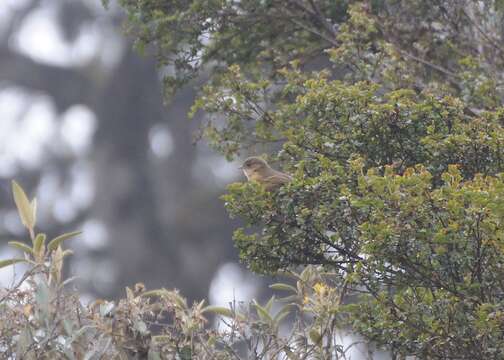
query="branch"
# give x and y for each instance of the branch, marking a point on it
(428, 63)
(483, 33)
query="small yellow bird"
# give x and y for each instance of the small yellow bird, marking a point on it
(257, 169)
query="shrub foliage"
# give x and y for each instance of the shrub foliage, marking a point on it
(389, 116)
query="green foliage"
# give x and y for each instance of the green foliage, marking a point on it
(40, 318)
(395, 144)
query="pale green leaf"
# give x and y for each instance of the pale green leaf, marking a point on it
(262, 312)
(38, 244)
(282, 287)
(54, 243)
(315, 336)
(269, 304)
(23, 205)
(219, 310)
(282, 313)
(4, 263)
(155, 293)
(21, 246)
(33, 207)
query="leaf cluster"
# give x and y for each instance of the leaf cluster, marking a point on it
(388, 114)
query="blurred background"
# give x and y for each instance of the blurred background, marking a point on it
(83, 128)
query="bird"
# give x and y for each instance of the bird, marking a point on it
(258, 170)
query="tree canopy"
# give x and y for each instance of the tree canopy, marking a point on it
(389, 116)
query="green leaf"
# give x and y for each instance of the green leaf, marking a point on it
(269, 304)
(33, 206)
(21, 246)
(262, 312)
(8, 262)
(315, 336)
(155, 293)
(39, 242)
(25, 208)
(219, 310)
(43, 299)
(282, 287)
(282, 313)
(54, 243)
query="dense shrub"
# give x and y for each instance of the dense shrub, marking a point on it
(394, 142)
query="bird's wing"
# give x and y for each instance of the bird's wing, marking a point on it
(276, 180)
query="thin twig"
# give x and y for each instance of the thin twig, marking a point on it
(482, 32)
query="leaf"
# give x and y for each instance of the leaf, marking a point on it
(57, 265)
(38, 245)
(315, 336)
(27, 310)
(67, 252)
(282, 287)
(290, 298)
(54, 243)
(288, 273)
(43, 299)
(25, 209)
(262, 312)
(282, 313)
(155, 293)
(219, 310)
(8, 262)
(179, 300)
(269, 304)
(68, 281)
(161, 338)
(200, 305)
(33, 206)
(21, 246)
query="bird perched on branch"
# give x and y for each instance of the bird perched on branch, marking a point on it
(257, 169)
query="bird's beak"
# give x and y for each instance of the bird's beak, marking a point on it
(240, 167)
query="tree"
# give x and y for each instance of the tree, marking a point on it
(135, 198)
(389, 115)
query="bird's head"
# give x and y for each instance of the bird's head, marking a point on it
(254, 165)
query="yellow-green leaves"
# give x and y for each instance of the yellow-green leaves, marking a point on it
(57, 241)
(219, 310)
(21, 246)
(39, 247)
(57, 265)
(26, 209)
(38, 252)
(4, 263)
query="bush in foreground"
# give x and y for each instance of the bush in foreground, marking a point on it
(42, 317)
